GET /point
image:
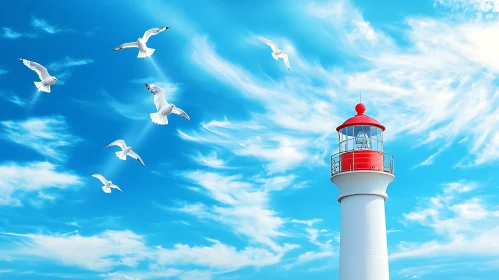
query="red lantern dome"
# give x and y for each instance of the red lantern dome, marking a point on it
(360, 119)
(361, 145)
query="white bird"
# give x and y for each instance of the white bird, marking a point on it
(276, 52)
(125, 150)
(107, 184)
(163, 107)
(144, 51)
(43, 74)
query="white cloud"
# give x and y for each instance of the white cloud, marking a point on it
(17, 181)
(74, 224)
(196, 275)
(48, 136)
(431, 158)
(488, 7)
(135, 110)
(117, 276)
(8, 33)
(212, 160)
(68, 62)
(241, 206)
(125, 249)
(278, 183)
(12, 97)
(218, 256)
(313, 256)
(465, 224)
(100, 252)
(246, 139)
(309, 223)
(45, 26)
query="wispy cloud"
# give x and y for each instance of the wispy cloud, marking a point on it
(431, 158)
(12, 97)
(281, 152)
(74, 224)
(309, 223)
(465, 224)
(211, 160)
(69, 62)
(3, 71)
(45, 26)
(481, 9)
(241, 206)
(8, 33)
(127, 249)
(137, 108)
(48, 136)
(17, 181)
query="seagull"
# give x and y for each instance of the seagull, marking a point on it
(125, 151)
(164, 108)
(144, 51)
(43, 74)
(276, 52)
(107, 184)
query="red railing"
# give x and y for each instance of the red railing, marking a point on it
(361, 160)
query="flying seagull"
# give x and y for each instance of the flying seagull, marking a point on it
(163, 107)
(43, 74)
(276, 52)
(107, 184)
(125, 150)
(144, 51)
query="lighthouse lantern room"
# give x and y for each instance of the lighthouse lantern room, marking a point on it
(361, 145)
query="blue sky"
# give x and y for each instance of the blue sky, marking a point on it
(242, 190)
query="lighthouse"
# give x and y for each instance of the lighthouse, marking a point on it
(362, 171)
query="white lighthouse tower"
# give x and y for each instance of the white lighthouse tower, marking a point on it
(362, 171)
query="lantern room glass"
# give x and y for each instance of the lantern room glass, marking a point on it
(360, 137)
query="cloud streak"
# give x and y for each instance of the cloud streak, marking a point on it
(45, 26)
(17, 181)
(69, 62)
(8, 33)
(126, 249)
(465, 223)
(48, 136)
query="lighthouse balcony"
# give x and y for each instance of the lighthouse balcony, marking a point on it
(361, 160)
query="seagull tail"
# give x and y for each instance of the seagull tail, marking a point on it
(106, 190)
(41, 87)
(157, 118)
(147, 53)
(121, 155)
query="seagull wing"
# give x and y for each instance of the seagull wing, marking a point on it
(272, 44)
(159, 95)
(116, 187)
(40, 70)
(152, 32)
(119, 143)
(137, 157)
(125, 46)
(101, 178)
(284, 57)
(180, 112)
